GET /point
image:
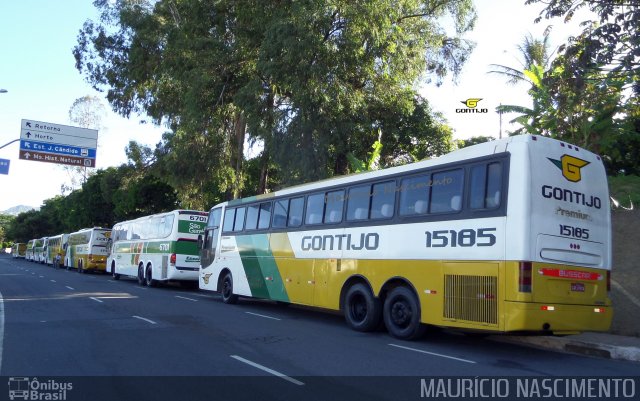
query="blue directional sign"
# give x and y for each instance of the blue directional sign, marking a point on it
(54, 148)
(4, 166)
(55, 143)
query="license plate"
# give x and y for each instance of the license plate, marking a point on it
(578, 287)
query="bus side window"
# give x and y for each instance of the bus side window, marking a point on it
(494, 183)
(486, 182)
(334, 206)
(265, 215)
(239, 223)
(358, 203)
(296, 206)
(383, 200)
(315, 209)
(281, 209)
(444, 187)
(252, 217)
(229, 217)
(414, 195)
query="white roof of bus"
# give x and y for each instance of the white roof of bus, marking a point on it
(479, 150)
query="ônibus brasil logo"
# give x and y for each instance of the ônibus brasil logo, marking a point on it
(27, 388)
(570, 167)
(472, 106)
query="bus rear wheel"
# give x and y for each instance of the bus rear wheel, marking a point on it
(401, 314)
(141, 276)
(362, 310)
(226, 284)
(148, 278)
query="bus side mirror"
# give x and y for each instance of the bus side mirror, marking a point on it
(200, 241)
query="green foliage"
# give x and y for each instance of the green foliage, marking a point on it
(592, 88)
(109, 196)
(5, 222)
(625, 189)
(463, 143)
(309, 80)
(372, 163)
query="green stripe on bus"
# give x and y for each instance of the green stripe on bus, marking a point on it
(260, 266)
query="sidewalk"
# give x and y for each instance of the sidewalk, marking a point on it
(601, 345)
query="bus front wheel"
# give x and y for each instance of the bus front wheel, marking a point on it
(402, 314)
(228, 297)
(362, 310)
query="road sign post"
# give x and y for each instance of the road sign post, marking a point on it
(55, 143)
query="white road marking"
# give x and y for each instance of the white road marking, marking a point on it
(71, 288)
(433, 353)
(1, 328)
(53, 281)
(96, 299)
(145, 319)
(190, 299)
(268, 317)
(41, 276)
(266, 369)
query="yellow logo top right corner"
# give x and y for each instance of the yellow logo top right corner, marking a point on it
(571, 167)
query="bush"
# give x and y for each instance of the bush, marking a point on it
(625, 188)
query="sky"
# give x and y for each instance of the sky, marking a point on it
(38, 71)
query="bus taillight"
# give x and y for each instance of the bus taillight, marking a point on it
(524, 277)
(172, 259)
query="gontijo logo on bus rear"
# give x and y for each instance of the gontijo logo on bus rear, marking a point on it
(570, 167)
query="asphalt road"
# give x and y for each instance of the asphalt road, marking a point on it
(117, 340)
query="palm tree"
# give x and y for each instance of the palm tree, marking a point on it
(533, 52)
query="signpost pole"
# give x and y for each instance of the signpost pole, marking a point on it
(9, 143)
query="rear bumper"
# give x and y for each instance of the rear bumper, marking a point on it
(520, 316)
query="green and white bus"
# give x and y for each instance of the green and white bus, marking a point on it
(509, 235)
(158, 248)
(39, 250)
(31, 244)
(87, 250)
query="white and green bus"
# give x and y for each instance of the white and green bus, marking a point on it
(31, 244)
(158, 248)
(86, 250)
(504, 236)
(39, 250)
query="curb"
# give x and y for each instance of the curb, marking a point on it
(575, 345)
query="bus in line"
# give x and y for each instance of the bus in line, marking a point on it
(512, 235)
(39, 250)
(158, 248)
(87, 250)
(56, 245)
(18, 250)
(28, 255)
